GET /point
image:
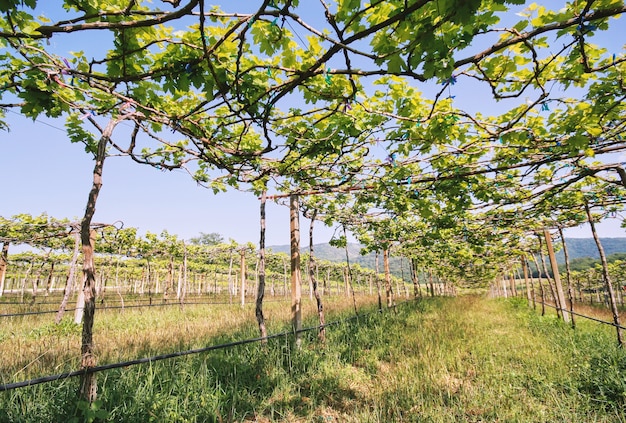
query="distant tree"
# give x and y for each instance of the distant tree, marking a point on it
(207, 239)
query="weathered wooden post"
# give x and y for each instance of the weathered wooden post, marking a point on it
(242, 252)
(512, 284)
(557, 277)
(4, 260)
(314, 281)
(606, 277)
(525, 270)
(260, 294)
(80, 300)
(568, 270)
(296, 288)
(388, 288)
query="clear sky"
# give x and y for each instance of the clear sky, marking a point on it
(41, 171)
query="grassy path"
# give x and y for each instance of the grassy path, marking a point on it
(464, 359)
(471, 359)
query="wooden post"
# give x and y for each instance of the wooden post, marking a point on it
(568, 270)
(513, 285)
(185, 276)
(243, 276)
(4, 260)
(541, 291)
(260, 293)
(388, 288)
(503, 286)
(313, 281)
(430, 280)
(296, 288)
(380, 301)
(231, 284)
(606, 277)
(525, 270)
(557, 277)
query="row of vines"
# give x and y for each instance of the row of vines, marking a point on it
(158, 268)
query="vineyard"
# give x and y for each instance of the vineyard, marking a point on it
(172, 271)
(174, 304)
(460, 139)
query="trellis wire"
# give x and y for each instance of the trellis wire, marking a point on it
(96, 369)
(173, 303)
(583, 316)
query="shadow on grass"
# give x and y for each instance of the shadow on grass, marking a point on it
(252, 382)
(258, 382)
(342, 380)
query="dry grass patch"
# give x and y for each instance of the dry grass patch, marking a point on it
(34, 345)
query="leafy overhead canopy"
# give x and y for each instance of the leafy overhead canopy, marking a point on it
(491, 112)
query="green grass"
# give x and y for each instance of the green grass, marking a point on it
(464, 359)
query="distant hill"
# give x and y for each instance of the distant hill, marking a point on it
(576, 247)
(586, 247)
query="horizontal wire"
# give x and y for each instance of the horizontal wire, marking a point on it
(95, 369)
(582, 315)
(30, 313)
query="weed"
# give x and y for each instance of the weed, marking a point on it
(603, 377)
(89, 412)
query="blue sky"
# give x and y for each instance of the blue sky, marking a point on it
(43, 172)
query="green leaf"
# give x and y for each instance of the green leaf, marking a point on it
(395, 64)
(578, 141)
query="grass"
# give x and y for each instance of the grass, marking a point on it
(33, 345)
(465, 359)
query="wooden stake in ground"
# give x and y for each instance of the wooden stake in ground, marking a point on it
(388, 288)
(431, 282)
(380, 301)
(557, 277)
(4, 260)
(531, 280)
(231, 284)
(553, 293)
(296, 288)
(512, 284)
(182, 290)
(526, 284)
(261, 287)
(312, 268)
(605, 275)
(348, 275)
(417, 292)
(70, 277)
(568, 270)
(541, 290)
(242, 252)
